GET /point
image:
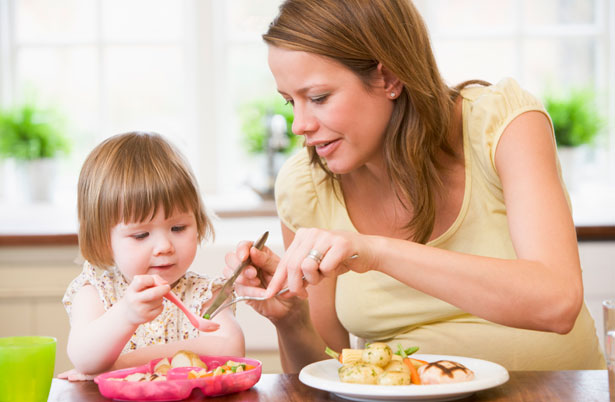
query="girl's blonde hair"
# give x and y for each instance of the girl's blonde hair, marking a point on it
(127, 178)
(360, 34)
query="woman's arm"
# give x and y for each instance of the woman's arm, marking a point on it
(306, 331)
(542, 288)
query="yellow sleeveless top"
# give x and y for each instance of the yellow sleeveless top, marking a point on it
(377, 307)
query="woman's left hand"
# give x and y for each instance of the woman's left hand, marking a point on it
(315, 254)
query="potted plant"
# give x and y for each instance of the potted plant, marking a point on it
(266, 133)
(576, 123)
(31, 136)
(254, 126)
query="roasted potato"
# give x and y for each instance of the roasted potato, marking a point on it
(360, 373)
(395, 373)
(394, 378)
(377, 353)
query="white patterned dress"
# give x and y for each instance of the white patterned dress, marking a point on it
(171, 325)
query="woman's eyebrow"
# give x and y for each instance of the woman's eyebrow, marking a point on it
(302, 90)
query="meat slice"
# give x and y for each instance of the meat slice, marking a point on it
(444, 372)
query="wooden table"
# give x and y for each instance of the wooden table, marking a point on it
(576, 386)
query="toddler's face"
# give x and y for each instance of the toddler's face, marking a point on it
(161, 246)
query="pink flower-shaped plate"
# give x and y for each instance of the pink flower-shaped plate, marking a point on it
(177, 386)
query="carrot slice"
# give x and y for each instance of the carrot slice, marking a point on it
(414, 374)
(417, 362)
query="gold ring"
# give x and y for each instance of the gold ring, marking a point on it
(315, 255)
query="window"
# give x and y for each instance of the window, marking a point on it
(109, 66)
(183, 68)
(543, 44)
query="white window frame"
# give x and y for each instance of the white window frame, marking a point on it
(214, 124)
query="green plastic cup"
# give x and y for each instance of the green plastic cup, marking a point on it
(26, 368)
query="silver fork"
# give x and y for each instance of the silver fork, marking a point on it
(244, 298)
(257, 298)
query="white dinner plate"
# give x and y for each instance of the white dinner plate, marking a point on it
(323, 375)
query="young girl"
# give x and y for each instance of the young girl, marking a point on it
(140, 221)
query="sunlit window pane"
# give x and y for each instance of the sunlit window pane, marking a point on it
(248, 79)
(57, 20)
(549, 12)
(490, 60)
(120, 65)
(65, 78)
(249, 16)
(144, 89)
(250, 73)
(550, 63)
(142, 20)
(462, 14)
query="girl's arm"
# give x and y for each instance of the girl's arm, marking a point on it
(228, 340)
(540, 290)
(97, 337)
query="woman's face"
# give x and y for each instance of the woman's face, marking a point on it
(333, 108)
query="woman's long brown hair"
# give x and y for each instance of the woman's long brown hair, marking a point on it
(359, 34)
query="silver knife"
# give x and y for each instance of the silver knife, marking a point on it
(227, 288)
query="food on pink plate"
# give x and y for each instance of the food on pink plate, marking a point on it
(444, 372)
(138, 377)
(162, 367)
(230, 367)
(185, 358)
(143, 383)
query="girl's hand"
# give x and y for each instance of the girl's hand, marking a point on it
(336, 252)
(254, 279)
(143, 299)
(74, 375)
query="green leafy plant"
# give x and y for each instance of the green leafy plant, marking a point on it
(253, 117)
(576, 120)
(28, 132)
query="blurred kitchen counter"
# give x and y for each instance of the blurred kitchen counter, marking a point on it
(39, 257)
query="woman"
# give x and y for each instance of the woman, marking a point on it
(417, 213)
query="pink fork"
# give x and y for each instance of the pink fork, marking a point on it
(199, 323)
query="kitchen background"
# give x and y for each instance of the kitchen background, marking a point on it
(196, 72)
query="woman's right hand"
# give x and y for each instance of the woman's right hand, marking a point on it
(255, 277)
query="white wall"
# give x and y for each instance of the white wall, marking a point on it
(598, 262)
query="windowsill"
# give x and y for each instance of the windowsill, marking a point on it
(56, 224)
